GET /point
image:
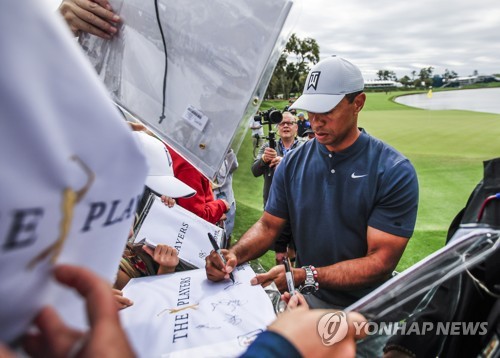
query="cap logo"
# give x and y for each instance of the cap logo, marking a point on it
(313, 80)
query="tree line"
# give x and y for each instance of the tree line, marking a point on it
(424, 78)
(300, 54)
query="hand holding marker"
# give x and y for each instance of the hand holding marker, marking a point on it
(217, 250)
(289, 276)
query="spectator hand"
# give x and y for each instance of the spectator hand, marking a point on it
(168, 201)
(274, 163)
(5, 352)
(269, 155)
(228, 206)
(165, 256)
(305, 337)
(121, 301)
(105, 338)
(92, 16)
(292, 302)
(215, 269)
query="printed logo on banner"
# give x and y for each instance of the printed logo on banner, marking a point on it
(70, 199)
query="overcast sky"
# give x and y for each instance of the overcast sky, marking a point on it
(402, 36)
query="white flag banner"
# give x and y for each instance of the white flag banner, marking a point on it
(194, 71)
(181, 229)
(184, 312)
(71, 171)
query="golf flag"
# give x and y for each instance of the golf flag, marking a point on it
(69, 154)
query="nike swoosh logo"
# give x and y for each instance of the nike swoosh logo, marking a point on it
(354, 176)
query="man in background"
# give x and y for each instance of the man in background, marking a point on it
(265, 164)
(302, 124)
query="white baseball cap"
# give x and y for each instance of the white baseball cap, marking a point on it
(327, 84)
(161, 174)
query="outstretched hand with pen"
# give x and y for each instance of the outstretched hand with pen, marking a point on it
(220, 264)
(277, 275)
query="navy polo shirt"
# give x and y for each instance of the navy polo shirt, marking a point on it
(331, 198)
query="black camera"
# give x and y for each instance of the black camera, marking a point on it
(270, 117)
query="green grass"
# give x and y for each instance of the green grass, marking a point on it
(446, 147)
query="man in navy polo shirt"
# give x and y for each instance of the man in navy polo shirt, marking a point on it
(350, 198)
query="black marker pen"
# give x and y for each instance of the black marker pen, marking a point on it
(217, 250)
(289, 276)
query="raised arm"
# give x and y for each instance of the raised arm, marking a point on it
(261, 162)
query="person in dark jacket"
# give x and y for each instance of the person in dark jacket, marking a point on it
(265, 164)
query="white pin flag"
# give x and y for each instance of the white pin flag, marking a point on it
(71, 171)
